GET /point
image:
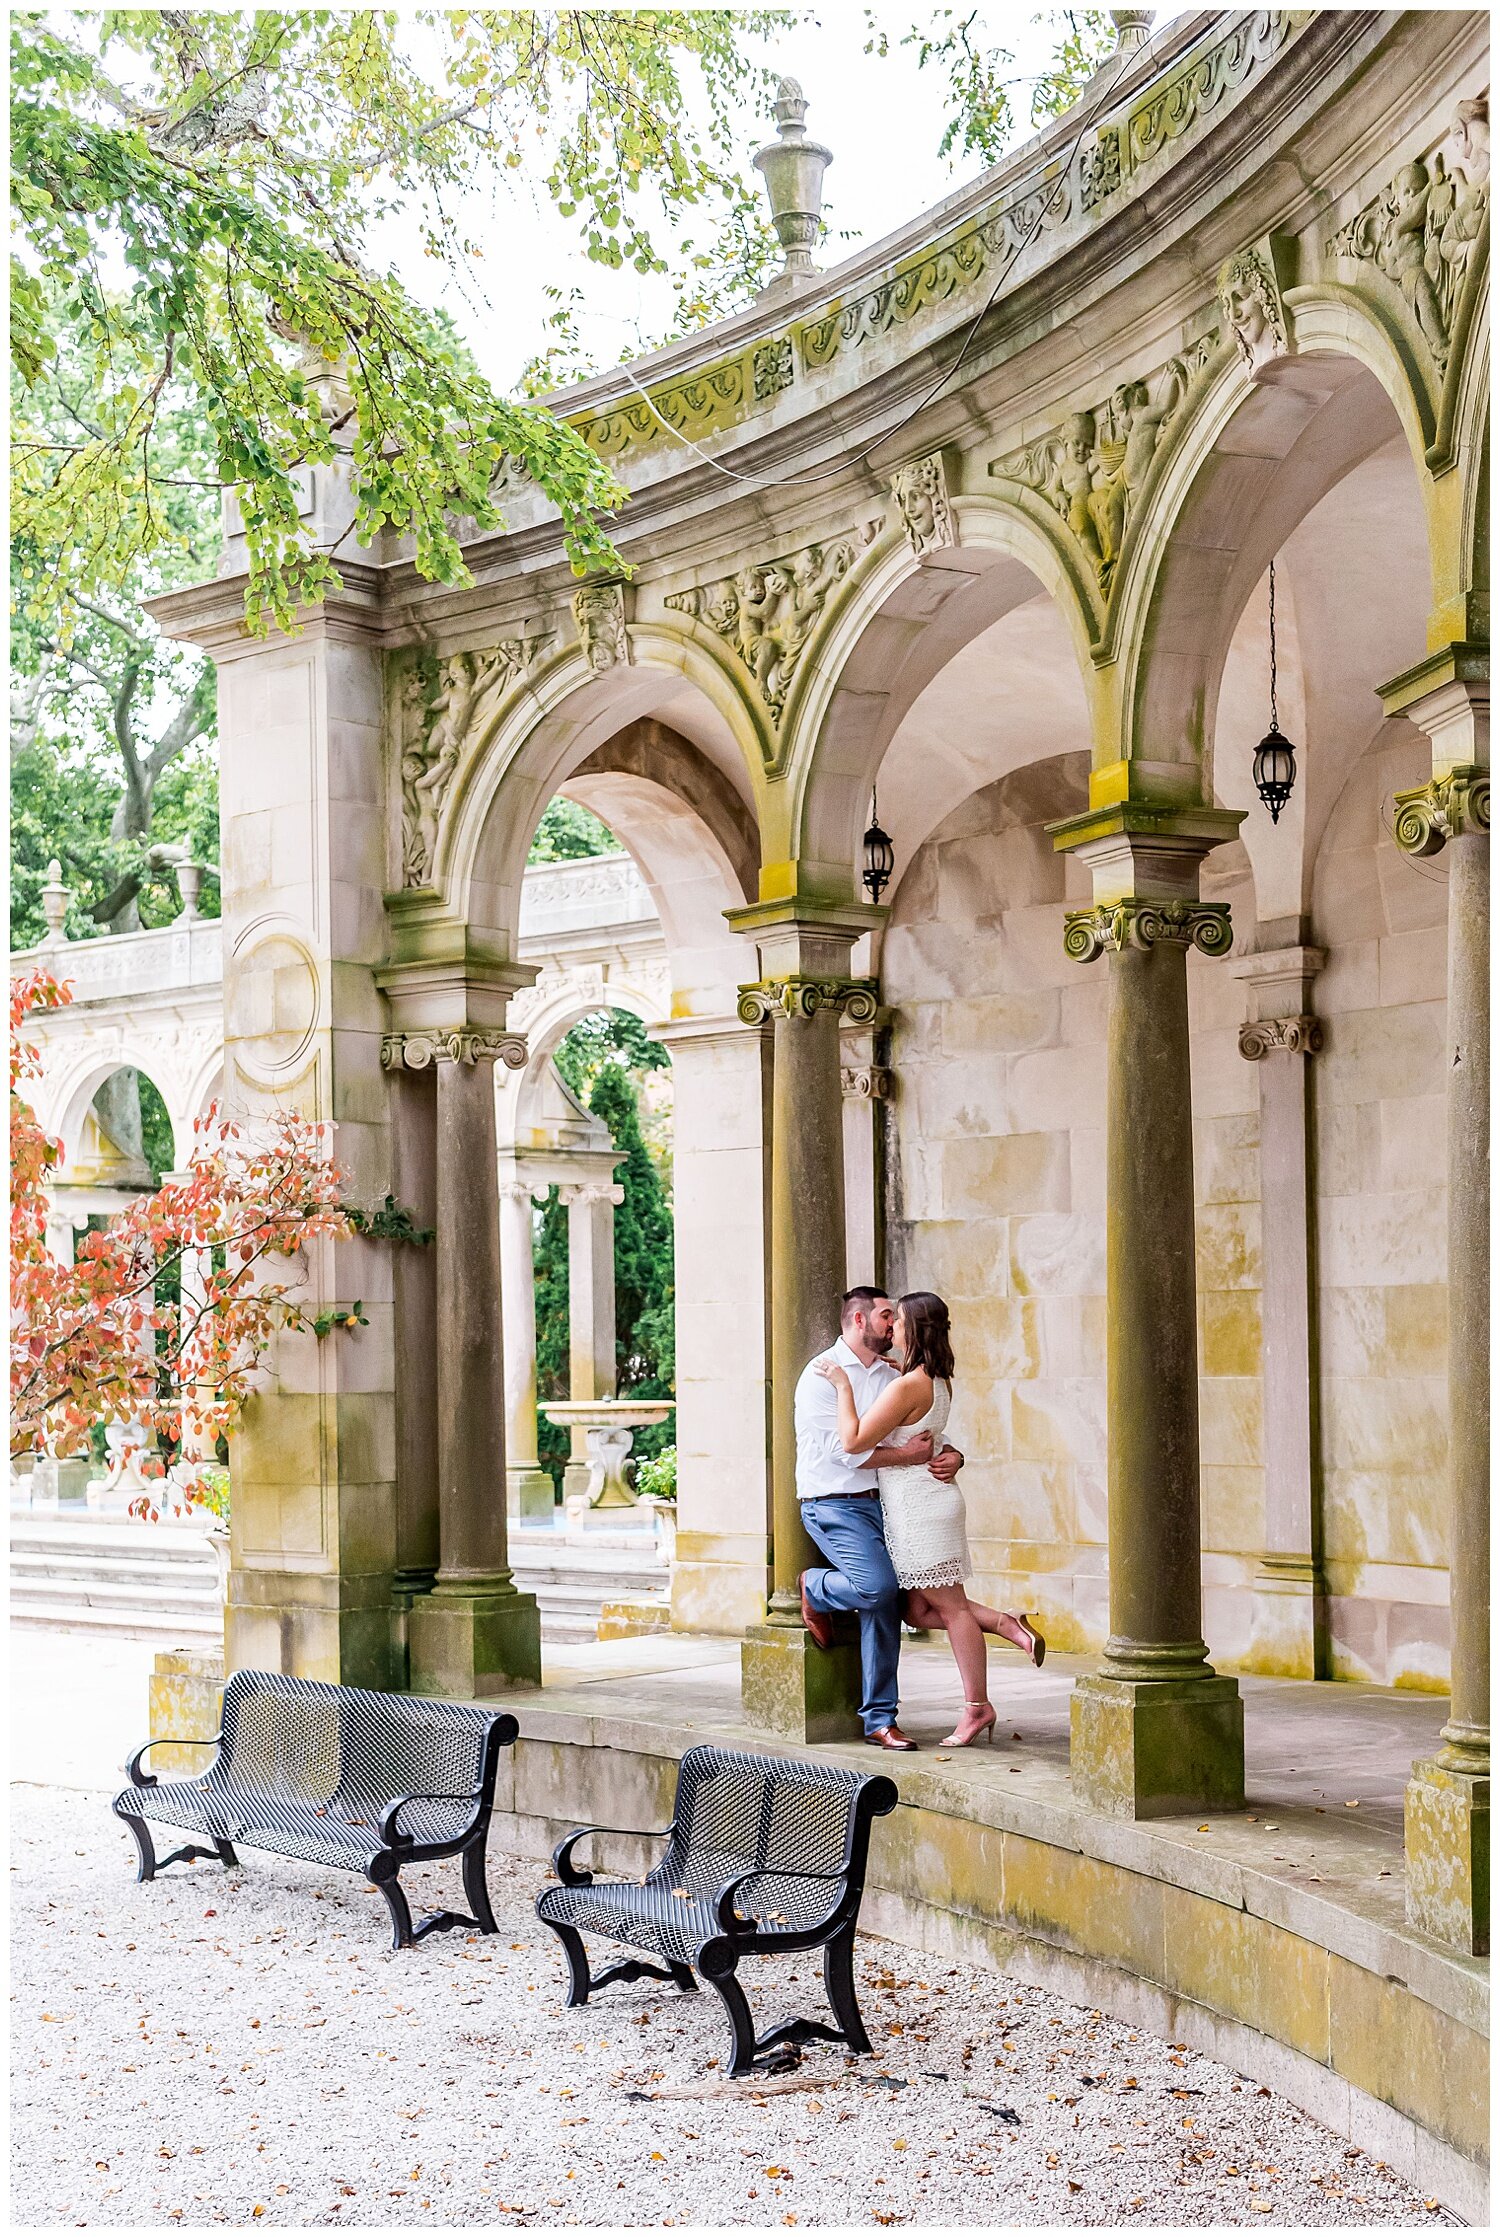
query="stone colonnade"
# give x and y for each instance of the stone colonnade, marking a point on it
(1113, 471)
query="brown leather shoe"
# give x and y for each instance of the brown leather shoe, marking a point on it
(819, 1629)
(891, 1736)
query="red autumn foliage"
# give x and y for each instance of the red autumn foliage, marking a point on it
(93, 1342)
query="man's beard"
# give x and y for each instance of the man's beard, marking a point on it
(881, 1344)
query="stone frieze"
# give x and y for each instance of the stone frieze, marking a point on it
(1420, 231)
(769, 610)
(1092, 469)
(434, 728)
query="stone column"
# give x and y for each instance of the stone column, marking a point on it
(721, 1083)
(304, 815)
(528, 1487)
(788, 1685)
(473, 1633)
(591, 1308)
(1448, 1798)
(414, 1292)
(1155, 1730)
(1289, 1626)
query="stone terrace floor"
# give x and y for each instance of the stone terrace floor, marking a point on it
(245, 2049)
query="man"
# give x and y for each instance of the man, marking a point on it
(840, 1497)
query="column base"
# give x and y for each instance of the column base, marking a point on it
(1288, 1621)
(463, 1643)
(796, 1690)
(528, 1495)
(1448, 1856)
(1152, 1748)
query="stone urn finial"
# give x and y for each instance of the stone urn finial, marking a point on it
(792, 167)
(1132, 27)
(55, 897)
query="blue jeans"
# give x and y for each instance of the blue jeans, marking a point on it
(852, 1534)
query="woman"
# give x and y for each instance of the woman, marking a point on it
(924, 1519)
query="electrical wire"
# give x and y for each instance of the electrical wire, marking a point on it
(1091, 116)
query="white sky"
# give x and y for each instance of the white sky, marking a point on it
(882, 119)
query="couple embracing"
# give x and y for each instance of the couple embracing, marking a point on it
(878, 1483)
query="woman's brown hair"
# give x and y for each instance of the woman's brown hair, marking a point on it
(929, 1336)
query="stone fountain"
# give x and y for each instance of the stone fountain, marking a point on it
(607, 1424)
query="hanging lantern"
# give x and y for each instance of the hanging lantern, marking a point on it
(1275, 764)
(880, 855)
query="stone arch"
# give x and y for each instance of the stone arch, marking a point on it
(69, 1094)
(684, 821)
(1256, 460)
(905, 620)
(541, 734)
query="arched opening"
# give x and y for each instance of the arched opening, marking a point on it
(1321, 1308)
(634, 933)
(967, 717)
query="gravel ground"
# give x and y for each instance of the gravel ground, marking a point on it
(245, 2048)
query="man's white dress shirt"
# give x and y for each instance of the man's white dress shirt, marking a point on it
(824, 1469)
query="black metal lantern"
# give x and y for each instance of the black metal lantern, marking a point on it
(880, 855)
(1275, 764)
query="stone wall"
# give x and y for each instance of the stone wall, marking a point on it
(997, 1182)
(996, 1199)
(1382, 1227)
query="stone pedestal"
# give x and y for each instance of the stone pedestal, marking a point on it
(787, 1685)
(1156, 1730)
(800, 1692)
(1281, 1037)
(473, 1633)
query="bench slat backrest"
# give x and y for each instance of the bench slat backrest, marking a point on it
(737, 1813)
(336, 1746)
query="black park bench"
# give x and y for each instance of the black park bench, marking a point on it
(367, 1781)
(763, 1856)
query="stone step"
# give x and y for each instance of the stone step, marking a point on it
(146, 1580)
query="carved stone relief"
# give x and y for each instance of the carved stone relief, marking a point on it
(769, 610)
(1100, 172)
(1093, 468)
(775, 367)
(921, 494)
(1250, 300)
(435, 730)
(1421, 230)
(599, 610)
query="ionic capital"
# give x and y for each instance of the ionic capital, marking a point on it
(590, 1192)
(866, 1083)
(1446, 807)
(854, 1000)
(1115, 925)
(1299, 1036)
(414, 1050)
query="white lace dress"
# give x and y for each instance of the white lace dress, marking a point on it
(924, 1519)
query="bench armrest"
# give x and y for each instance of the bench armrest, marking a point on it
(573, 1875)
(389, 1831)
(138, 1777)
(724, 1900)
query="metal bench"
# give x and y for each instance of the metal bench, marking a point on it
(367, 1781)
(763, 1856)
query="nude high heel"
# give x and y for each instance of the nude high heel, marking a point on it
(958, 1738)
